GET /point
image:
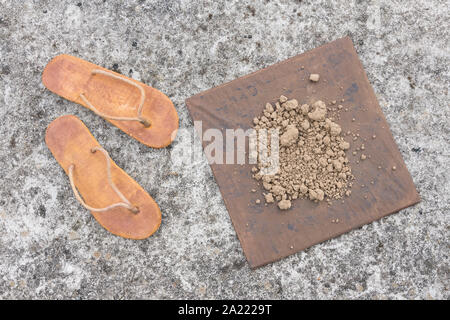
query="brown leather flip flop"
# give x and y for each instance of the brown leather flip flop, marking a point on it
(116, 201)
(142, 112)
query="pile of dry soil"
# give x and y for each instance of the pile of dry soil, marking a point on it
(312, 153)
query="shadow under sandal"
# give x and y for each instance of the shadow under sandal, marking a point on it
(116, 201)
(142, 112)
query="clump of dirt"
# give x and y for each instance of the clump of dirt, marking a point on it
(312, 154)
(314, 77)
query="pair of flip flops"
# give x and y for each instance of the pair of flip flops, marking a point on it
(115, 199)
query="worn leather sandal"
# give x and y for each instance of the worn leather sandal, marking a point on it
(142, 112)
(116, 201)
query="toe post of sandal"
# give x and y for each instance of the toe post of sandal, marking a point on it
(135, 210)
(145, 122)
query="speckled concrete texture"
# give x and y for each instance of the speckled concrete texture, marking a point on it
(50, 247)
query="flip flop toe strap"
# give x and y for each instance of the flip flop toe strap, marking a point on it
(139, 117)
(125, 204)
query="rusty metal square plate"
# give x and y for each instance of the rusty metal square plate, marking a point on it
(266, 233)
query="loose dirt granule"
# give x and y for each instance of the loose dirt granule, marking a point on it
(314, 77)
(312, 154)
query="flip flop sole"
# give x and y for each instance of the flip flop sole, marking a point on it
(70, 142)
(68, 77)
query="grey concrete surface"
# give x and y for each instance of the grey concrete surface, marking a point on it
(50, 247)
